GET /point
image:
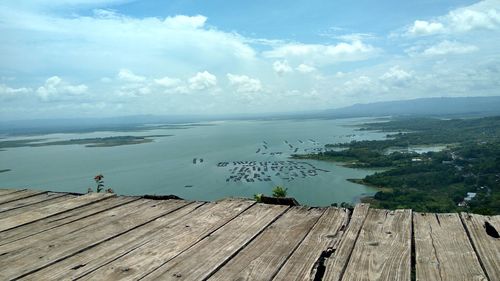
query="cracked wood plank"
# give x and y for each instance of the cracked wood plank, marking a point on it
(32, 203)
(337, 263)
(19, 195)
(484, 234)
(44, 249)
(443, 250)
(48, 211)
(64, 218)
(85, 262)
(201, 260)
(323, 238)
(264, 256)
(383, 248)
(172, 241)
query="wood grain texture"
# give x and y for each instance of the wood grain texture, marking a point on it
(32, 203)
(337, 263)
(5, 191)
(265, 255)
(171, 241)
(49, 247)
(486, 243)
(441, 256)
(47, 211)
(322, 238)
(383, 248)
(19, 195)
(201, 260)
(21, 232)
(85, 262)
(28, 201)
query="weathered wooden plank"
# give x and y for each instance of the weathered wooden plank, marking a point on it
(484, 234)
(28, 201)
(72, 229)
(302, 265)
(170, 242)
(5, 191)
(441, 256)
(19, 195)
(382, 251)
(47, 211)
(266, 254)
(335, 265)
(48, 248)
(64, 218)
(204, 258)
(85, 262)
(32, 203)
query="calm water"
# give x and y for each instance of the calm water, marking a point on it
(165, 166)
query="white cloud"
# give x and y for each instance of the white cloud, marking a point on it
(55, 88)
(323, 54)
(477, 16)
(168, 82)
(482, 15)
(244, 84)
(304, 68)
(282, 67)
(449, 47)
(202, 80)
(182, 21)
(8, 93)
(421, 27)
(128, 76)
(396, 73)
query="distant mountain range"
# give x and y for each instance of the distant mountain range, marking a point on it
(438, 107)
(449, 106)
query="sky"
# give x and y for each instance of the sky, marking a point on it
(103, 58)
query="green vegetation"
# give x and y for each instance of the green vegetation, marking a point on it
(432, 181)
(88, 142)
(99, 181)
(279, 191)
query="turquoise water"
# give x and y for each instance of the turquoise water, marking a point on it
(165, 166)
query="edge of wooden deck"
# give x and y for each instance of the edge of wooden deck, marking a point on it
(56, 235)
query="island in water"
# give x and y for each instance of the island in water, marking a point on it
(463, 176)
(88, 142)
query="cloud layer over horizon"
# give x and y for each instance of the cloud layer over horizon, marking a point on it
(88, 58)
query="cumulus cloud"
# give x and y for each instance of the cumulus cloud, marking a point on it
(168, 82)
(482, 15)
(202, 80)
(128, 76)
(304, 68)
(55, 88)
(282, 67)
(8, 93)
(421, 27)
(319, 54)
(182, 21)
(244, 84)
(396, 73)
(449, 47)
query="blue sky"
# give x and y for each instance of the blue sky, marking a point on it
(64, 58)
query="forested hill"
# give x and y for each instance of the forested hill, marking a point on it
(478, 106)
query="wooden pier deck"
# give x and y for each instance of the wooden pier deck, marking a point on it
(58, 236)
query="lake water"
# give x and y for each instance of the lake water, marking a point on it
(166, 166)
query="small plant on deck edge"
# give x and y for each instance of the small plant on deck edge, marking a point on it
(99, 180)
(279, 191)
